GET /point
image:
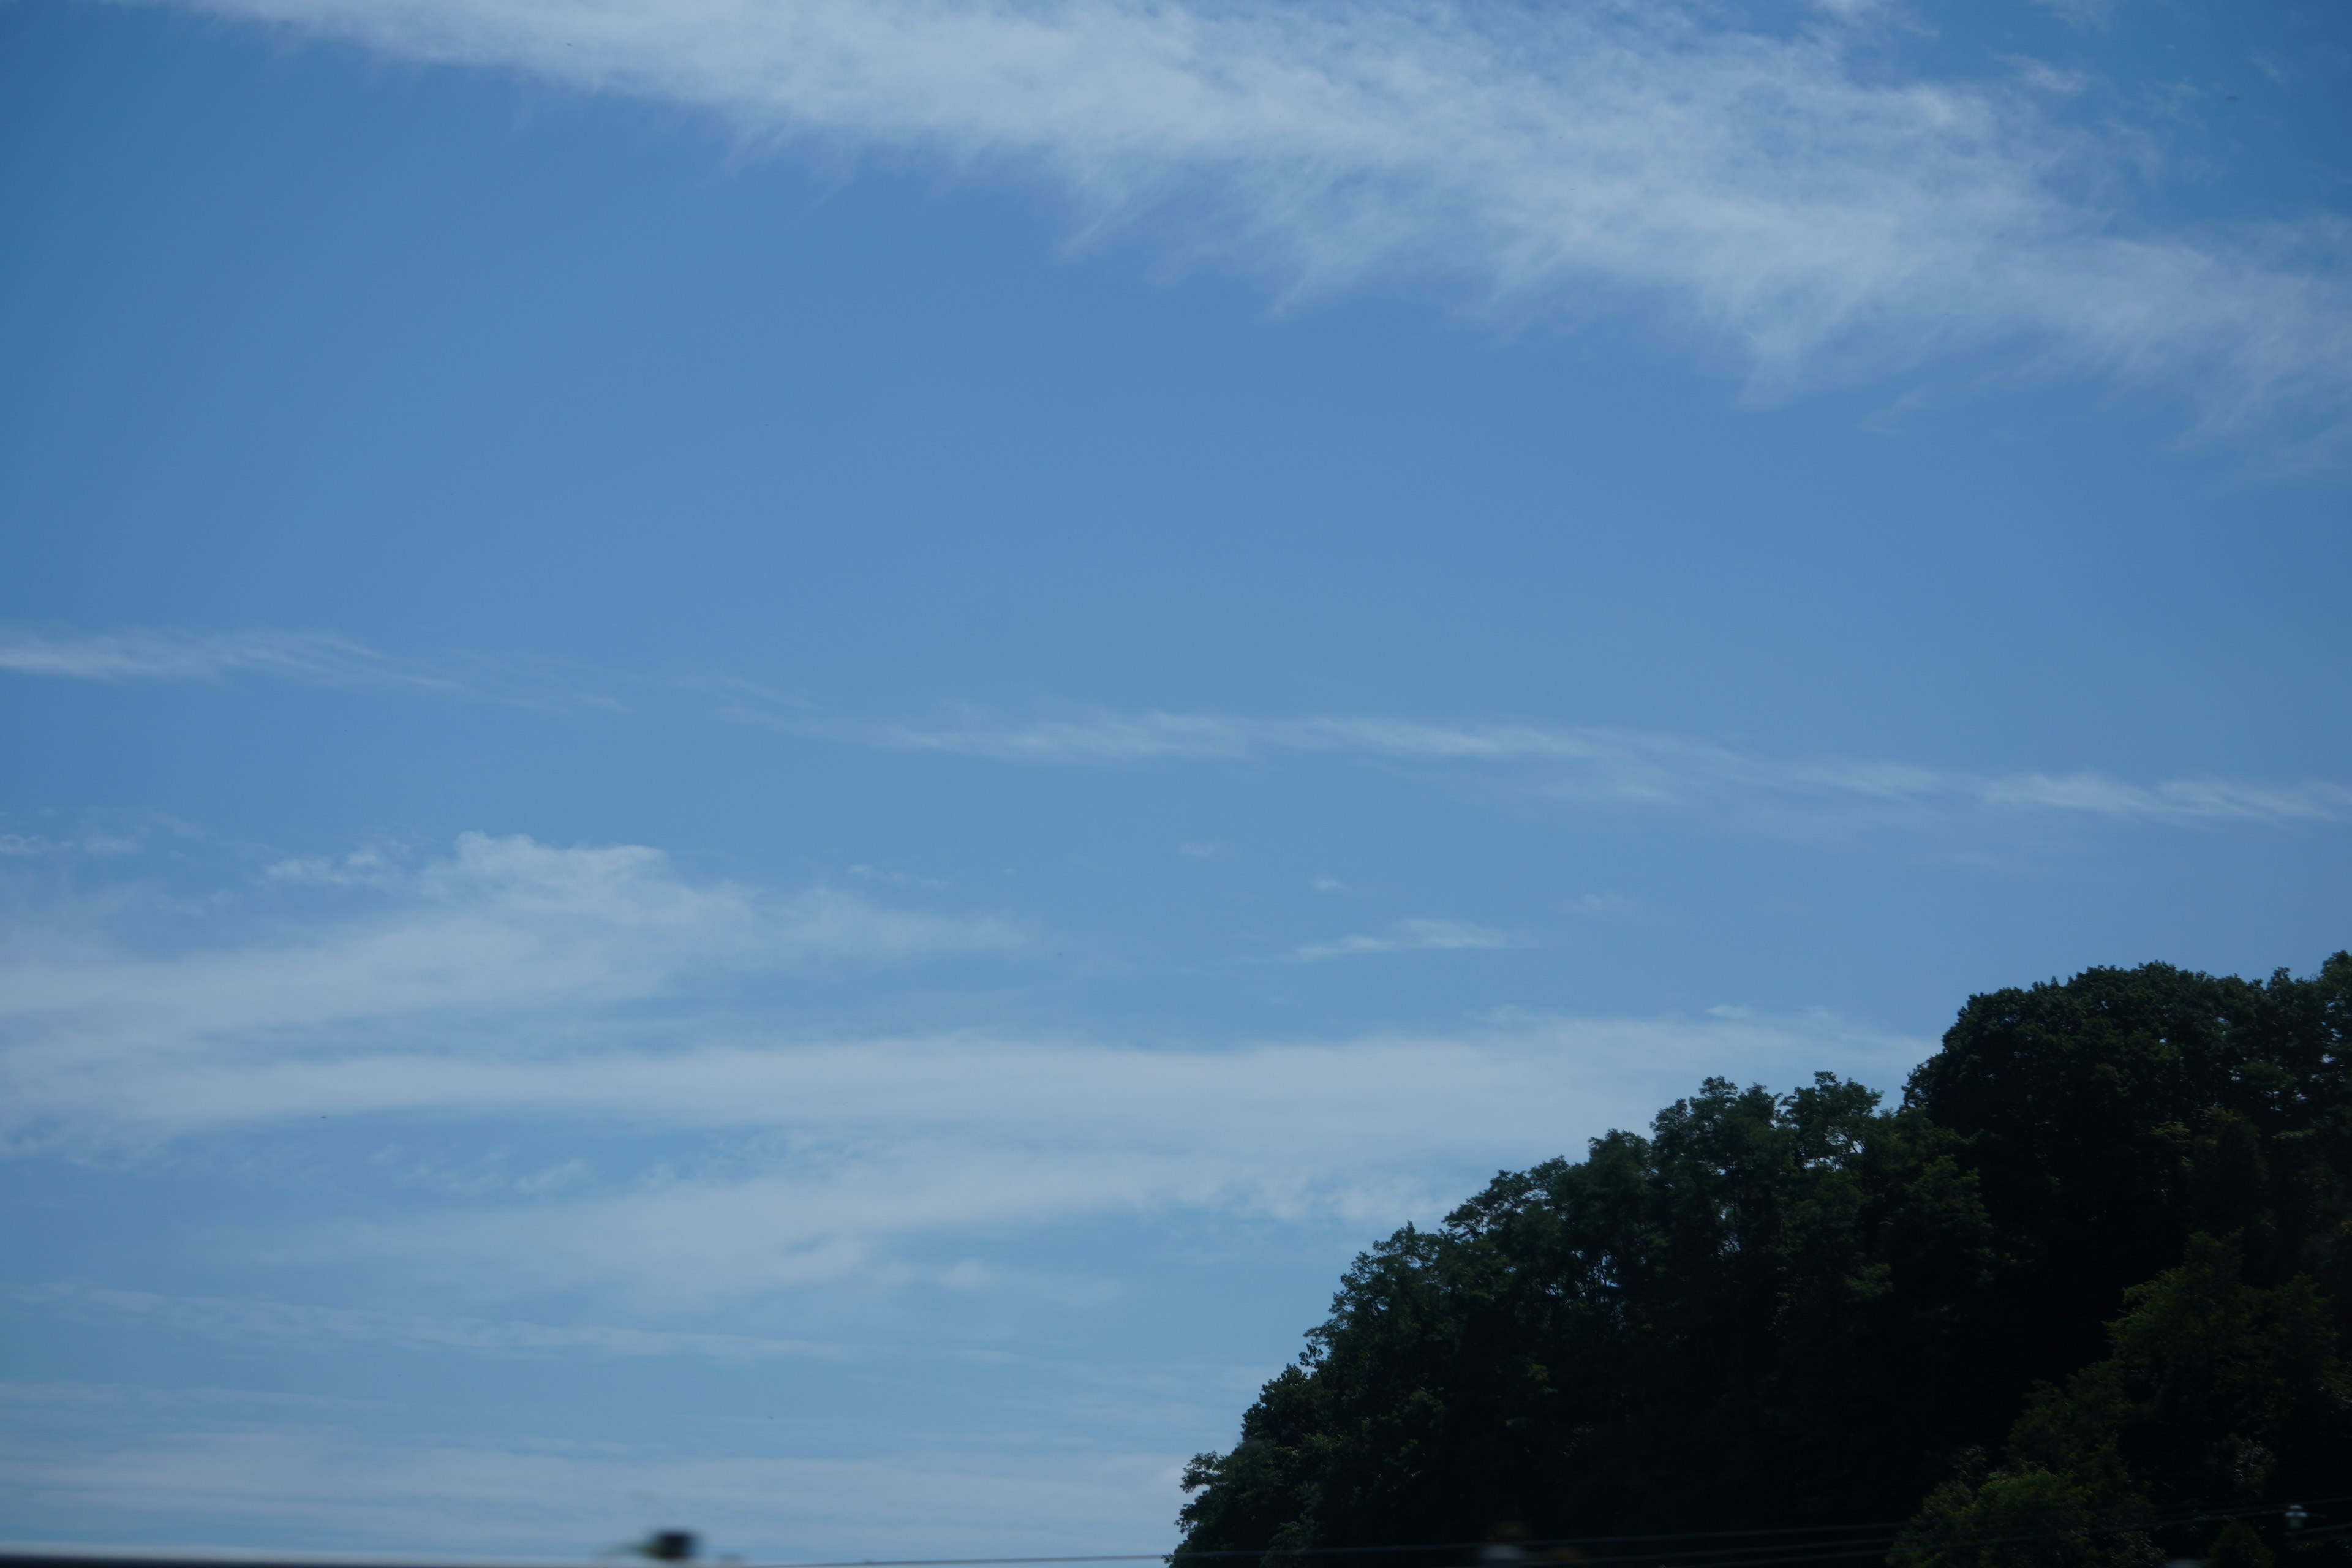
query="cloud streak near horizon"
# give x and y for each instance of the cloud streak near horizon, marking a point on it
(284, 1323)
(226, 1458)
(1790, 194)
(686, 1151)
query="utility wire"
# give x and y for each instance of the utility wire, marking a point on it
(1795, 1551)
(1768, 1547)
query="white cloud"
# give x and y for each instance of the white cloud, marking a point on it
(1408, 936)
(31, 845)
(1582, 762)
(482, 989)
(304, 659)
(2084, 14)
(312, 1327)
(168, 656)
(497, 936)
(2174, 799)
(860, 1150)
(1031, 1092)
(1767, 190)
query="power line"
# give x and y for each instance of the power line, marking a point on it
(1738, 1548)
(1827, 1536)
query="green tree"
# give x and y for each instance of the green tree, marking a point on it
(2028, 1517)
(2106, 1119)
(1806, 1308)
(2215, 1394)
(1685, 1325)
(2237, 1546)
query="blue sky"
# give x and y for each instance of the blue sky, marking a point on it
(768, 765)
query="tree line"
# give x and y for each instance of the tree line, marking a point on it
(2075, 1302)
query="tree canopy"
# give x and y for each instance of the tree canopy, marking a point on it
(2094, 1267)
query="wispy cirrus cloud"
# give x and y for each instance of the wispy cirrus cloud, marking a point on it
(304, 658)
(306, 1325)
(1408, 936)
(1794, 193)
(32, 846)
(167, 655)
(2173, 799)
(562, 997)
(156, 1468)
(499, 935)
(1582, 762)
(856, 1160)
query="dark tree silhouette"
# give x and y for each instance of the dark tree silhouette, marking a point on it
(1807, 1309)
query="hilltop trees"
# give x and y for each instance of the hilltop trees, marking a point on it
(2215, 1395)
(2104, 1239)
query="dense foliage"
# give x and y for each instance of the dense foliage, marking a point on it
(2093, 1269)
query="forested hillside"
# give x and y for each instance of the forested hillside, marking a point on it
(2076, 1300)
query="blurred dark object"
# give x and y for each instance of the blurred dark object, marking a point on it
(1502, 1547)
(669, 1546)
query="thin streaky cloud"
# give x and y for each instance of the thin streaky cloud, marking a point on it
(2179, 798)
(172, 657)
(32, 845)
(1582, 762)
(558, 995)
(69, 1398)
(2087, 15)
(298, 658)
(318, 1327)
(876, 1151)
(853, 1158)
(559, 1496)
(497, 930)
(1408, 936)
(1764, 190)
